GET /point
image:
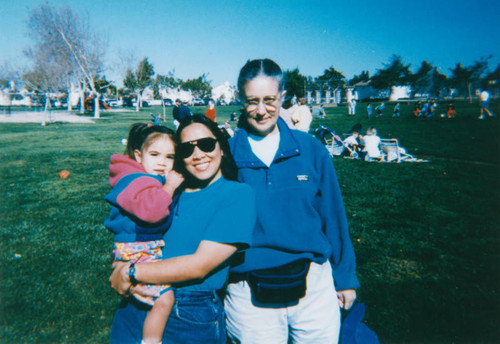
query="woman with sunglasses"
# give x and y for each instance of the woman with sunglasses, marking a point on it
(301, 236)
(211, 219)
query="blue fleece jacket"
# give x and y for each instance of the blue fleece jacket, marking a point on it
(300, 212)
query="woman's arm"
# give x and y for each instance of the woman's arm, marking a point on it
(207, 257)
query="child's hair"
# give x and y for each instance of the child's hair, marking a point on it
(142, 135)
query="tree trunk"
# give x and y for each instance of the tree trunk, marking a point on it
(68, 99)
(82, 98)
(470, 95)
(137, 101)
(164, 114)
(47, 102)
(97, 111)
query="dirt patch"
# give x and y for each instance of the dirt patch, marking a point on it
(44, 117)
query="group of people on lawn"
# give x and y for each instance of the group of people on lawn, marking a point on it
(243, 240)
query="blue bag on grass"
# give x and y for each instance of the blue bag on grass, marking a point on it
(354, 331)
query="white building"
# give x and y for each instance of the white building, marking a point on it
(225, 92)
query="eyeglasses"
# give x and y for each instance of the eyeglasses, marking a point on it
(186, 149)
(270, 103)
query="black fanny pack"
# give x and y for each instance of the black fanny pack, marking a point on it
(282, 284)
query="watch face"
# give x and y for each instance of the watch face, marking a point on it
(131, 274)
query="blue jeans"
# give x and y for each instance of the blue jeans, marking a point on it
(197, 317)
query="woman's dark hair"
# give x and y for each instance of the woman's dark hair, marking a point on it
(141, 135)
(254, 68)
(228, 167)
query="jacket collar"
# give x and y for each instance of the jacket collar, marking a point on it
(244, 157)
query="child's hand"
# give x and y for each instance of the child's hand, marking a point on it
(173, 180)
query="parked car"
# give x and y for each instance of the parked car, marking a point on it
(197, 101)
(208, 100)
(144, 103)
(168, 102)
(115, 103)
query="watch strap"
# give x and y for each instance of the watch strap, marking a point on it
(131, 274)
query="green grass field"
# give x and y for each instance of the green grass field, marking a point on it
(426, 235)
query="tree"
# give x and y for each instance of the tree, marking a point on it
(421, 81)
(47, 75)
(492, 80)
(199, 87)
(464, 78)
(295, 83)
(62, 38)
(395, 73)
(164, 81)
(439, 82)
(331, 79)
(363, 77)
(139, 80)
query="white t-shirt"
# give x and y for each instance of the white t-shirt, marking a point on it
(484, 96)
(302, 118)
(265, 148)
(351, 141)
(372, 143)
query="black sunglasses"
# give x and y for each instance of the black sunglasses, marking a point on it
(186, 149)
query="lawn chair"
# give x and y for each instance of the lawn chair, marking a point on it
(390, 149)
(394, 153)
(330, 139)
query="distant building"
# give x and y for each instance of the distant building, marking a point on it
(400, 92)
(225, 92)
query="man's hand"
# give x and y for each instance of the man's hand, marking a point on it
(346, 298)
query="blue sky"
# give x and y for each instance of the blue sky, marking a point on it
(217, 37)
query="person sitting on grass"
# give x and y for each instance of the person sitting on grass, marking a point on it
(417, 109)
(424, 109)
(143, 185)
(372, 145)
(352, 143)
(451, 111)
(431, 108)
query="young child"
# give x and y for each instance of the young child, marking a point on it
(451, 111)
(369, 110)
(380, 110)
(417, 109)
(144, 183)
(397, 108)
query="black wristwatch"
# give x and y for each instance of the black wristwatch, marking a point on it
(131, 274)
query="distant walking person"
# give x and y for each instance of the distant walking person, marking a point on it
(175, 112)
(369, 110)
(397, 108)
(379, 109)
(484, 98)
(184, 111)
(351, 102)
(210, 113)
